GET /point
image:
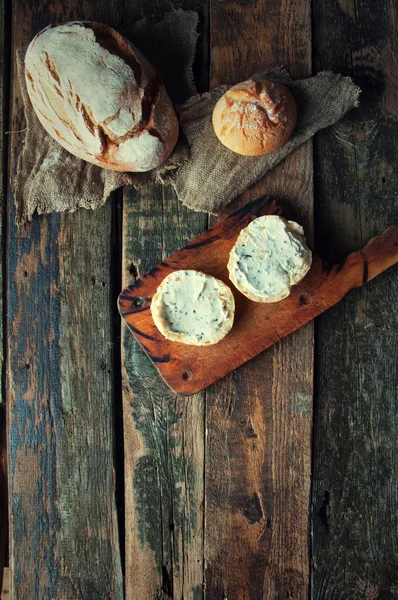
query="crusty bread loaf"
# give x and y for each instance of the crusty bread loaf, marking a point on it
(193, 308)
(99, 98)
(269, 256)
(255, 117)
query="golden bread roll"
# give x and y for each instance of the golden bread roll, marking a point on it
(97, 96)
(255, 117)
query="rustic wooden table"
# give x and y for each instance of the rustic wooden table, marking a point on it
(280, 481)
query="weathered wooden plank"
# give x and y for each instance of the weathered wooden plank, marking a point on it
(64, 530)
(258, 454)
(164, 433)
(3, 494)
(4, 87)
(355, 488)
(5, 590)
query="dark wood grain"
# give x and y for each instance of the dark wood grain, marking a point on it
(163, 433)
(63, 529)
(355, 487)
(4, 88)
(3, 494)
(257, 326)
(4, 77)
(259, 419)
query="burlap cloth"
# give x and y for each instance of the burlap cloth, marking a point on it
(50, 179)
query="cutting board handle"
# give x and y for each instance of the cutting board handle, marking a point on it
(380, 253)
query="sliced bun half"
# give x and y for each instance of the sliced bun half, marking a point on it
(193, 308)
(269, 256)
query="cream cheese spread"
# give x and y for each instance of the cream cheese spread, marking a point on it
(270, 255)
(193, 308)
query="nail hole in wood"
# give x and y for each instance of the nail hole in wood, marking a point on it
(139, 302)
(186, 375)
(305, 299)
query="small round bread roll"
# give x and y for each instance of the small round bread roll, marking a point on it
(193, 308)
(98, 97)
(255, 117)
(269, 256)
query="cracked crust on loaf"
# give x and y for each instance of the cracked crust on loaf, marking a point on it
(97, 95)
(255, 117)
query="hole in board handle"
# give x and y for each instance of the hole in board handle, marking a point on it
(139, 302)
(305, 299)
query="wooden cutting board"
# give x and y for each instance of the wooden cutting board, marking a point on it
(189, 369)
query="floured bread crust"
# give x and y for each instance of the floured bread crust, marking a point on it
(269, 256)
(255, 117)
(193, 308)
(99, 98)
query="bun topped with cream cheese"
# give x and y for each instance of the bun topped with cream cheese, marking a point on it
(193, 308)
(269, 256)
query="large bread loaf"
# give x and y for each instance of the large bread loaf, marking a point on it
(99, 97)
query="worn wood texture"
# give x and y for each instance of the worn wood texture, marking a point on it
(4, 87)
(5, 589)
(355, 487)
(258, 419)
(163, 433)
(257, 326)
(63, 529)
(4, 90)
(3, 493)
